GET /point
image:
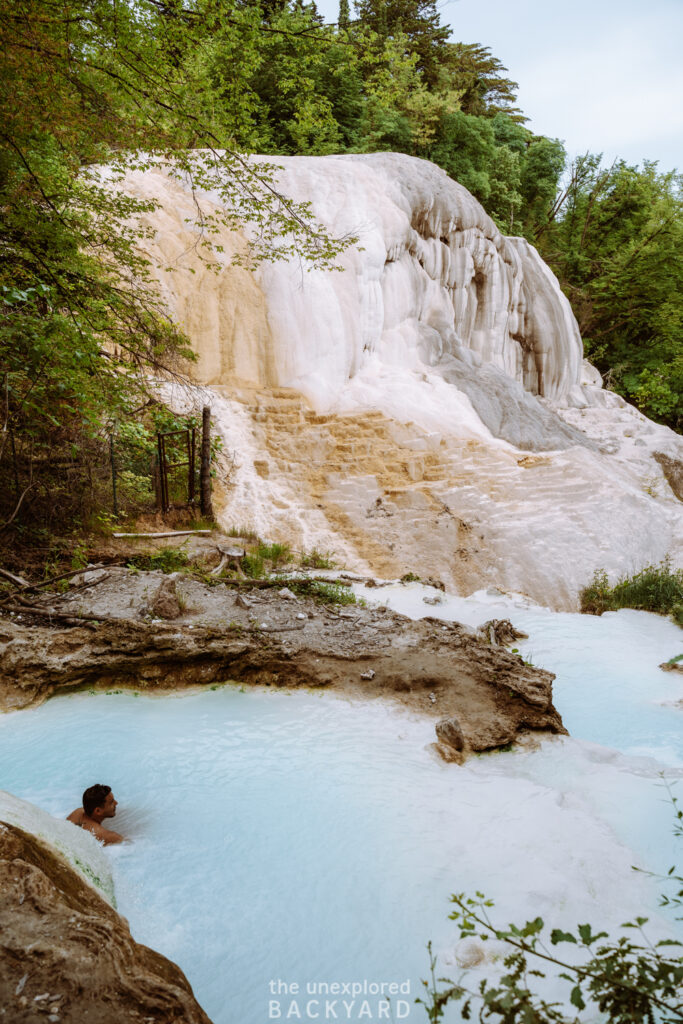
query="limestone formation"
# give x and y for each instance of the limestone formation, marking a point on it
(429, 406)
(67, 957)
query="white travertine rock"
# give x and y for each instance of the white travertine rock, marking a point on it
(386, 413)
(430, 278)
(79, 848)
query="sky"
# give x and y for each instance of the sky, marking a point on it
(602, 75)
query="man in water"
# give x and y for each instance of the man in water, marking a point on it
(98, 804)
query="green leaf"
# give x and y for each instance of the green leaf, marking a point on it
(576, 998)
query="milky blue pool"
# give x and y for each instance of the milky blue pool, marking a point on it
(305, 838)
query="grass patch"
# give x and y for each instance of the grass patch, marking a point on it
(331, 593)
(507, 748)
(656, 588)
(410, 577)
(244, 532)
(167, 560)
(253, 566)
(315, 559)
(274, 553)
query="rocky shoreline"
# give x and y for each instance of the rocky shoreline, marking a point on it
(67, 956)
(271, 637)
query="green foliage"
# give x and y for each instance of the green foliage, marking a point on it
(167, 560)
(82, 323)
(315, 559)
(418, 21)
(479, 76)
(276, 554)
(656, 588)
(331, 593)
(628, 978)
(253, 566)
(614, 239)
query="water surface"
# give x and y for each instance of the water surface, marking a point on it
(304, 838)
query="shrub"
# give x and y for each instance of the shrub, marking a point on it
(167, 560)
(629, 978)
(274, 553)
(332, 593)
(315, 559)
(252, 565)
(656, 588)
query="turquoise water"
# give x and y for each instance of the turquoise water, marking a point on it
(303, 838)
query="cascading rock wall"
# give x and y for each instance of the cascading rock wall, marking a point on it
(386, 411)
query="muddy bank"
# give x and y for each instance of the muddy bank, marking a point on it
(274, 638)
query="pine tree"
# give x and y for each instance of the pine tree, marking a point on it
(418, 19)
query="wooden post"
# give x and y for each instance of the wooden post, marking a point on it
(112, 456)
(163, 473)
(205, 477)
(191, 450)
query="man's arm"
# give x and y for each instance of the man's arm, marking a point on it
(105, 835)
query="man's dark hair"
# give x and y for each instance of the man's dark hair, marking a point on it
(94, 797)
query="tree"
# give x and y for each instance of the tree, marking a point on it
(81, 326)
(615, 240)
(479, 77)
(416, 20)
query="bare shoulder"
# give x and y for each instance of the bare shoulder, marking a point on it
(105, 835)
(76, 816)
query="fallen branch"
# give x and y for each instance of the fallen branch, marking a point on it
(18, 581)
(76, 617)
(297, 583)
(49, 613)
(169, 533)
(275, 629)
(11, 519)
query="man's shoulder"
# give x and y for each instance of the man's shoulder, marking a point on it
(76, 816)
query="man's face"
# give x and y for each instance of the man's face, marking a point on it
(108, 808)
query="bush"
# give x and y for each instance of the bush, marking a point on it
(167, 560)
(629, 978)
(252, 565)
(315, 559)
(332, 593)
(274, 553)
(656, 588)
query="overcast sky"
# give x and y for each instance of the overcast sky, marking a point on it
(602, 75)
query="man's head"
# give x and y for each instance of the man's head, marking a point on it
(99, 802)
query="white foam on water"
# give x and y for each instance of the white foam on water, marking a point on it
(303, 837)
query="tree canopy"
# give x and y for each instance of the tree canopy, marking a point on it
(202, 83)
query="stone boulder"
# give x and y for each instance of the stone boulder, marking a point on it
(67, 957)
(501, 632)
(449, 731)
(165, 603)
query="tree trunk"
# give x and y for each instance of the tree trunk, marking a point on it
(205, 480)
